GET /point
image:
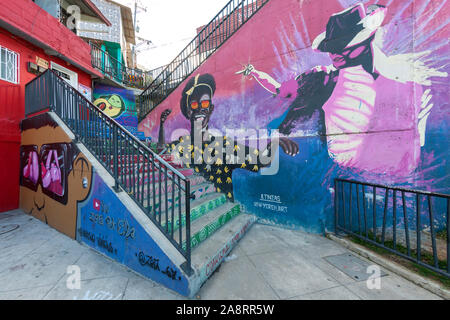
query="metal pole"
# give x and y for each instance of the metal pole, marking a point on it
(115, 159)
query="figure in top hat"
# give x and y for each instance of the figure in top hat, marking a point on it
(352, 95)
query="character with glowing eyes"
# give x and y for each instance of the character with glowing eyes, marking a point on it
(112, 106)
(197, 106)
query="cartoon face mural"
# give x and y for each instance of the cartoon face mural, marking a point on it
(119, 104)
(54, 174)
(196, 101)
(112, 106)
(360, 88)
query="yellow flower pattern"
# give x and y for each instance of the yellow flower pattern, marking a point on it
(217, 172)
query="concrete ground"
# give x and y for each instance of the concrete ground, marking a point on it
(270, 263)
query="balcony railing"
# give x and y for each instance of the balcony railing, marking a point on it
(117, 71)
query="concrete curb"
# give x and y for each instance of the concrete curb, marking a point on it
(394, 267)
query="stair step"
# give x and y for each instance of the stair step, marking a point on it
(209, 254)
(195, 182)
(197, 192)
(203, 227)
(199, 208)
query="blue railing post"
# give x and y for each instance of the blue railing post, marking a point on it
(51, 88)
(187, 265)
(116, 159)
(335, 208)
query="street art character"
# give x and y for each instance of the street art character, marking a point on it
(112, 105)
(197, 106)
(355, 96)
(54, 174)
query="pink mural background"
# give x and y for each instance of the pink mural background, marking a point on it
(403, 141)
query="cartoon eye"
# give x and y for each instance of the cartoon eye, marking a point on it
(194, 105)
(205, 104)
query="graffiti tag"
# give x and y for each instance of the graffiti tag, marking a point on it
(122, 227)
(153, 263)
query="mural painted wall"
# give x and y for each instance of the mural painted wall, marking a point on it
(356, 90)
(54, 175)
(106, 225)
(117, 103)
(59, 186)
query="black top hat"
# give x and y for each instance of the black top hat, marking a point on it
(349, 27)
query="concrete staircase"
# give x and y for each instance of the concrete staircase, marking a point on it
(130, 195)
(217, 224)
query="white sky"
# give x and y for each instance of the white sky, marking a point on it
(170, 25)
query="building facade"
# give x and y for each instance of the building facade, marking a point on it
(31, 41)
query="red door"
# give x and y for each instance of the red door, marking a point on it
(11, 113)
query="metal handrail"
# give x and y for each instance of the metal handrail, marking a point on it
(401, 206)
(136, 169)
(208, 40)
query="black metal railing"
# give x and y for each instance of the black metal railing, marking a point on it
(410, 223)
(118, 71)
(160, 190)
(154, 73)
(207, 41)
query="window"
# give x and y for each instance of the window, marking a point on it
(9, 65)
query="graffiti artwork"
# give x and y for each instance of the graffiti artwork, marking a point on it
(117, 103)
(106, 224)
(359, 89)
(347, 94)
(214, 156)
(112, 105)
(54, 174)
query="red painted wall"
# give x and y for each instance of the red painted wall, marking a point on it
(29, 18)
(12, 111)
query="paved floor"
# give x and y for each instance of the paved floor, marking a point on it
(269, 263)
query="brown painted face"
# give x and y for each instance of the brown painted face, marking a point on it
(54, 177)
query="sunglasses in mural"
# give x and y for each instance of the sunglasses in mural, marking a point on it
(47, 167)
(203, 104)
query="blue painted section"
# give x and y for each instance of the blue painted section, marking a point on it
(107, 226)
(128, 119)
(303, 203)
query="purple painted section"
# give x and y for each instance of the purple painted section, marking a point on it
(383, 119)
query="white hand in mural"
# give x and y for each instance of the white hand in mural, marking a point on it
(247, 70)
(424, 114)
(265, 80)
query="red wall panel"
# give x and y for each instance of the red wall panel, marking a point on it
(12, 111)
